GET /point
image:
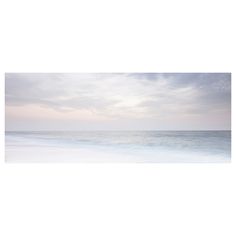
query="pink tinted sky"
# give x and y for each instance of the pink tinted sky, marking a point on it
(118, 101)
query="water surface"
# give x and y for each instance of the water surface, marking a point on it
(152, 146)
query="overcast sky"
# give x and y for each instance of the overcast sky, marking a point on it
(115, 101)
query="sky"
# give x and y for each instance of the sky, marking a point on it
(117, 101)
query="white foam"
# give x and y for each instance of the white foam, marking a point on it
(19, 149)
(52, 154)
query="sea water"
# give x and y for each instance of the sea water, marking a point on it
(131, 146)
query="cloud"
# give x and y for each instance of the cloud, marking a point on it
(138, 96)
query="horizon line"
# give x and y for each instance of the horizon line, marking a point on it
(117, 130)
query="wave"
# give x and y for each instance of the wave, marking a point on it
(207, 146)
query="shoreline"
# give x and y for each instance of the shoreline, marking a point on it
(85, 155)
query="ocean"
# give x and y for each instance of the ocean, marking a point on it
(118, 146)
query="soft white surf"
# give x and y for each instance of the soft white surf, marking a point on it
(37, 154)
(26, 150)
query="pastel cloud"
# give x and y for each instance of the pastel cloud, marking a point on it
(118, 101)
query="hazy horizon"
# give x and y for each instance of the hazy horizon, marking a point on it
(117, 130)
(118, 101)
